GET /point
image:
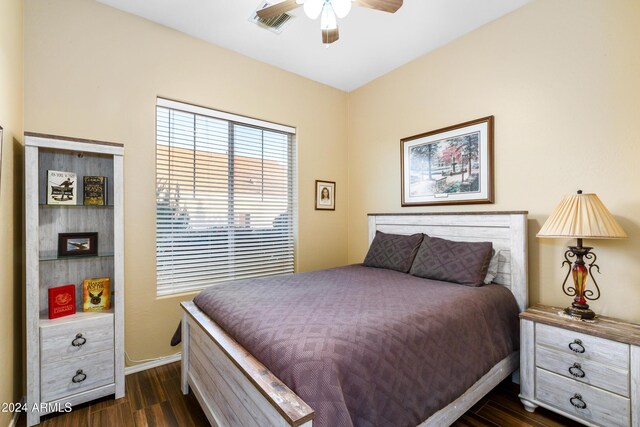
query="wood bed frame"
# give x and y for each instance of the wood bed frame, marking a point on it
(235, 389)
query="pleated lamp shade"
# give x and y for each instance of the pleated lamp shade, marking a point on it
(582, 216)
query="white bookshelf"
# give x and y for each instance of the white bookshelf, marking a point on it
(80, 357)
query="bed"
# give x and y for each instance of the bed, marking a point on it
(234, 388)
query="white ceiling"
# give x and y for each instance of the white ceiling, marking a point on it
(371, 43)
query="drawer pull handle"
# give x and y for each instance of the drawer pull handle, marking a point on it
(576, 346)
(576, 370)
(79, 376)
(577, 401)
(78, 341)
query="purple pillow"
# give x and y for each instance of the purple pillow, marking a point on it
(393, 251)
(465, 263)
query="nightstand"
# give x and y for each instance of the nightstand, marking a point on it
(589, 372)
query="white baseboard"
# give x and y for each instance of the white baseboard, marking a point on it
(16, 415)
(152, 364)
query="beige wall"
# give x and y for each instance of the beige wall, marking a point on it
(11, 51)
(563, 81)
(94, 72)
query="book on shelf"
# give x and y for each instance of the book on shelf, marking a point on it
(62, 301)
(61, 188)
(95, 190)
(96, 294)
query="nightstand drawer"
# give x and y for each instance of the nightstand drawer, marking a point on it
(584, 370)
(71, 339)
(61, 379)
(582, 400)
(584, 346)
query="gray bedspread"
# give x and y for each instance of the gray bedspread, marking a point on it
(366, 346)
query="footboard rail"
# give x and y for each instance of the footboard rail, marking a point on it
(232, 386)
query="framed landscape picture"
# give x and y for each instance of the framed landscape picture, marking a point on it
(325, 195)
(453, 165)
(77, 244)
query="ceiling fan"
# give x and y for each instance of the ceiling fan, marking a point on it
(328, 11)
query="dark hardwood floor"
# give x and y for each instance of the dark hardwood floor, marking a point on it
(501, 407)
(153, 398)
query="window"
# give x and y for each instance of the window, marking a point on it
(225, 197)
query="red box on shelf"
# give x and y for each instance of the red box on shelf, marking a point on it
(62, 301)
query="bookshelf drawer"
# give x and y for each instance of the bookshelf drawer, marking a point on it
(73, 338)
(75, 375)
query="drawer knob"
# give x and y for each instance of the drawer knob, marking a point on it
(576, 346)
(577, 401)
(78, 341)
(79, 376)
(576, 370)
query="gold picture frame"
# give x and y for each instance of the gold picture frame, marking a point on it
(452, 165)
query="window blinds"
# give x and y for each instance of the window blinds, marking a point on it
(225, 197)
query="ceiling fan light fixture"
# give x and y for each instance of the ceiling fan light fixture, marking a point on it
(328, 10)
(341, 7)
(328, 20)
(313, 8)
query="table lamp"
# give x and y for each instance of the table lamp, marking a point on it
(581, 216)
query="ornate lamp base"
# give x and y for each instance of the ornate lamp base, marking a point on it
(580, 312)
(580, 272)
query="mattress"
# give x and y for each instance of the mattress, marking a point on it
(367, 346)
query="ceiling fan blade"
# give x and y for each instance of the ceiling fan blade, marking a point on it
(277, 9)
(330, 36)
(390, 6)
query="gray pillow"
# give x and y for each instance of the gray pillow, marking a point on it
(494, 265)
(465, 263)
(393, 251)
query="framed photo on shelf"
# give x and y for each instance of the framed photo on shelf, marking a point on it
(61, 188)
(325, 195)
(77, 244)
(452, 165)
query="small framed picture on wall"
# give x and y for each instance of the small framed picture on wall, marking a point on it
(325, 195)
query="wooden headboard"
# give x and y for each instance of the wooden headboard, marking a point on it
(506, 230)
